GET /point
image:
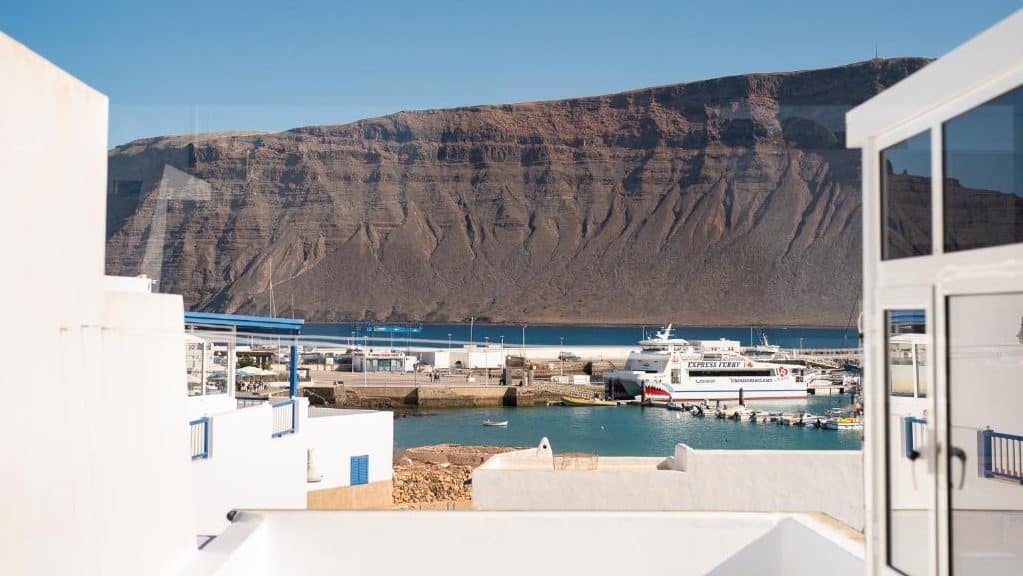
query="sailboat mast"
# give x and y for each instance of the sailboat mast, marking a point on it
(273, 306)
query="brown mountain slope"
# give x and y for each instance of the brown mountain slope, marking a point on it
(727, 201)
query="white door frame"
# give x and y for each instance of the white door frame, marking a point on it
(998, 278)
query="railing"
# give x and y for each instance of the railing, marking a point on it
(284, 416)
(913, 430)
(1001, 455)
(246, 401)
(200, 433)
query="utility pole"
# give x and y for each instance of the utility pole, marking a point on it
(561, 357)
(523, 341)
(486, 363)
(472, 320)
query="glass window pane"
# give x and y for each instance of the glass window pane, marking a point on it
(906, 198)
(983, 180)
(921, 370)
(985, 434)
(910, 486)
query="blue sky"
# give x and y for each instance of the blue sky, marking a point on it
(176, 67)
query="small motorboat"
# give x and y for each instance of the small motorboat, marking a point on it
(495, 422)
(579, 401)
(672, 405)
(847, 423)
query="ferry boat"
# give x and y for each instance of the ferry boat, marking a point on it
(668, 369)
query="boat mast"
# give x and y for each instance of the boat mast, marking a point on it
(273, 307)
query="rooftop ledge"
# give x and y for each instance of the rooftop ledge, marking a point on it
(594, 543)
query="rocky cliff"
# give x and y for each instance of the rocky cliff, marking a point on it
(726, 201)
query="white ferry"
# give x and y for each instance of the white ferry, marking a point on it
(673, 369)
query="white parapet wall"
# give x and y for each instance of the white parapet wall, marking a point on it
(248, 467)
(830, 482)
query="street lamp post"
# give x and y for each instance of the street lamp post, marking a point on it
(486, 363)
(472, 320)
(449, 340)
(561, 357)
(523, 341)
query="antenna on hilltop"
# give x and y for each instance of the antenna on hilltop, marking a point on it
(876, 57)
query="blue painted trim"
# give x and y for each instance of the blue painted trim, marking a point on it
(985, 440)
(293, 370)
(205, 423)
(358, 473)
(294, 418)
(908, 442)
(258, 324)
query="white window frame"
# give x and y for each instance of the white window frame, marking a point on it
(900, 282)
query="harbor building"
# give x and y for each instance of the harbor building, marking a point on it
(466, 357)
(383, 361)
(104, 477)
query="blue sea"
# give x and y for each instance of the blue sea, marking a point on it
(623, 430)
(552, 335)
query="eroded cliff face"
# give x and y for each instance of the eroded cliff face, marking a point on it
(727, 201)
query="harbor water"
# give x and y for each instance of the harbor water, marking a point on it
(437, 335)
(624, 430)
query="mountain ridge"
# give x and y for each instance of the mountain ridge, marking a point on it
(721, 201)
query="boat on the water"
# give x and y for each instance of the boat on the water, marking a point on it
(580, 401)
(495, 422)
(845, 423)
(674, 369)
(674, 406)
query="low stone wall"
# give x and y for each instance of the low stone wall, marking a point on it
(436, 396)
(580, 390)
(459, 397)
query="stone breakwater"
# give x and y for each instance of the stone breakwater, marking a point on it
(441, 396)
(434, 477)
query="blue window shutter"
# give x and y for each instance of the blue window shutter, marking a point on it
(359, 470)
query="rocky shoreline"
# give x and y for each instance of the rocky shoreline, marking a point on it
(434, 477)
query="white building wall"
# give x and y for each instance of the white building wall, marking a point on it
(98, 446)
(337, 435)
(436, 358)
(478, 357)
(734, 480)
(248, 468)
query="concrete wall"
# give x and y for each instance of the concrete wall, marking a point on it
(828, 481)
(737, 480)
(372, 496)
(248, 468)
(81, 465)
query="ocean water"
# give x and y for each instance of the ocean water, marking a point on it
(623, 430)
(551, 335)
